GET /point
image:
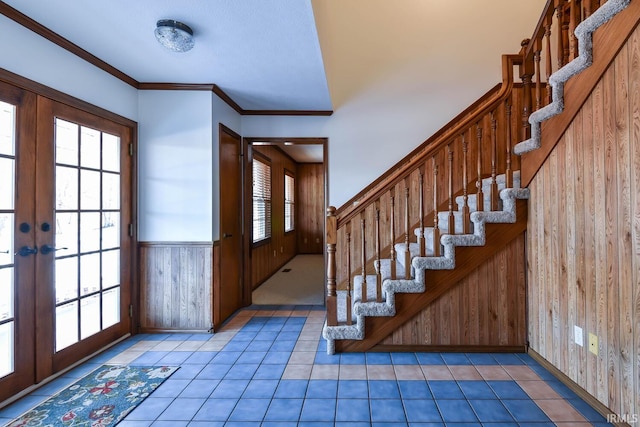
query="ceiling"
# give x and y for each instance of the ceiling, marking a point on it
(264, 54)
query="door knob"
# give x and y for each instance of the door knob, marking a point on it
(226, 236)
(26, 251)
(47, 249)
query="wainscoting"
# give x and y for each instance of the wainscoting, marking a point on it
(176, 286)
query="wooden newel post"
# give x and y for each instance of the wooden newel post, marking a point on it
(332, 240)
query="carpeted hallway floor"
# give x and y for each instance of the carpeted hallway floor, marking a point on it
(299, 282)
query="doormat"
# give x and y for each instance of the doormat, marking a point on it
(101, 398)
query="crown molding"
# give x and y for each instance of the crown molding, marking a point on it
(57, 39)
(73, 48)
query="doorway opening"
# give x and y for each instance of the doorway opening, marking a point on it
(286, 199)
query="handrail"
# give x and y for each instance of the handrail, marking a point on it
(346, 212)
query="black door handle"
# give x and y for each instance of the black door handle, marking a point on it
(47, 249)
(26, 251)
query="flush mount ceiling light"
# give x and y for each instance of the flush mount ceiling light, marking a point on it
(174, 35)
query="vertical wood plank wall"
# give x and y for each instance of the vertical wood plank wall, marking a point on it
(583, 241)
(487, 308)
(268, 257)
(176, 285)
(310, 207)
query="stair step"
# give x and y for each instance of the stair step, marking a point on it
(385, 269)
(371, 288)
(486, 189)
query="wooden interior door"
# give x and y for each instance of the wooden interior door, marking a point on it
(228, 296)
(17, 239)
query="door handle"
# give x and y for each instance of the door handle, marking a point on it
(226, 236)
(47, 249)
(26, 251)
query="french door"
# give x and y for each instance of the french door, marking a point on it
(65, 210)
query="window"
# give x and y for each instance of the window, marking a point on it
(261, 200)
(289, 202)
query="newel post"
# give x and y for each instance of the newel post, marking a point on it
(332, 240)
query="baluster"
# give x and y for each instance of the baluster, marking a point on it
(421, 239)
(466, 215)
(536, 60)
(349, 302)
(479, 194)
(407, 240)
(566, 18)
(548, 61)
(494, 152)
(526, 72)
(508, 170)
(574, 20)
(378, 274)
(452, 220)
(392, 221)
(332, 239)
(559, 6)
(436, 229)
(363, 229)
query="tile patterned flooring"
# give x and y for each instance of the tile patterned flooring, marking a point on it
(268, 367)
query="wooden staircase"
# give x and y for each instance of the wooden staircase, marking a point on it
(381, 272)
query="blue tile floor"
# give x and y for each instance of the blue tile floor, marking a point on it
(268, 367)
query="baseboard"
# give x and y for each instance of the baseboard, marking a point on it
(174, 331)
(574, 387)
(448, 348)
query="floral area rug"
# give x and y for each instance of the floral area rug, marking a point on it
(101, 398)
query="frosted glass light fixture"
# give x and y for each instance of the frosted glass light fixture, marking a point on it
(174, 35)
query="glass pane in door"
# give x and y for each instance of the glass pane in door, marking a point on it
(87, 232)
(7, 225)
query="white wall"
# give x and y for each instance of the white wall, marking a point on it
(27, 54)
(221, 114)
(175, 166)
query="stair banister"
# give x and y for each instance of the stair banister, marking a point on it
(452, 221)
(494, 152)
(378, 249)
(332, 239)
(508, 168)
(436, 228)
(349, 299)
(406, 166)
(407, 231)
(421, 238)
(466, 214)
(479, 192)
(392, 222)
(363, 239)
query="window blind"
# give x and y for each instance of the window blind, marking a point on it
(289, 202)
(261, 200)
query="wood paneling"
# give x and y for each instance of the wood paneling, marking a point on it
(486, 308)
(583, 246)
(310, 209)
(268, 257)
(176, 286)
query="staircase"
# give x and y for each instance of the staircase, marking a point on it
(363, 308)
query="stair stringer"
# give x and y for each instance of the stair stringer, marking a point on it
(417, 285)
(584, 34)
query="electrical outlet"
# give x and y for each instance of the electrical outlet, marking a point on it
(317, 240)
(274, 253)
(593, 344)
(578, 336)
(281, 249)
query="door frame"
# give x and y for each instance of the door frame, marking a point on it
(248, 194)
